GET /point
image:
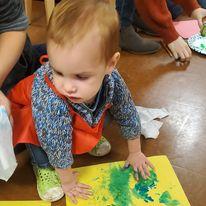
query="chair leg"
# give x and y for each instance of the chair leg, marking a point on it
(49, 6)
(28, 9)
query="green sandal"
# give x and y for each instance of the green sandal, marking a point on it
(102, 148)
(48, 184)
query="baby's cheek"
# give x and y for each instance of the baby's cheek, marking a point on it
(57, 84)
(56, 81)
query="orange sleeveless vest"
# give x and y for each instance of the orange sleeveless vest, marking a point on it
(84, 137)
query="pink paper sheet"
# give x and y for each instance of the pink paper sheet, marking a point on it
(187, 28)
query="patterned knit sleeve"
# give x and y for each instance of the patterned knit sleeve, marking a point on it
(123, 109)
(53, 125)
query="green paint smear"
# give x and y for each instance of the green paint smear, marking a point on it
(167, 200)
(104, 199)
(142, 188)
(202, 46)
(119, 186)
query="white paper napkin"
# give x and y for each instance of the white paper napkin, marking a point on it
(149, 125)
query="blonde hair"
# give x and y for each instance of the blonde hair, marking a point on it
(71, 19)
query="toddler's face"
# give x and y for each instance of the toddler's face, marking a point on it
(78, 70)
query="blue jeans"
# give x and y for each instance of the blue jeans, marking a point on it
(38, 156)
(175, 9)
(127, 11)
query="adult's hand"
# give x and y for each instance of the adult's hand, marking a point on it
(199, 14)
(180, 50)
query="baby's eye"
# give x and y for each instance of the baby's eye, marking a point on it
(81, 77)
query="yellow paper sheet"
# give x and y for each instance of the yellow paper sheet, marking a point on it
(113, 186)
(24, 203)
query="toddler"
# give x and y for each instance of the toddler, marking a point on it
(60, 110)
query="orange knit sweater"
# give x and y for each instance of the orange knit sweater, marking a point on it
(157, 16)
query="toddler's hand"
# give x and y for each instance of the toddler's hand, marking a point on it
(75, 190)
(140, 164)
(199, 14)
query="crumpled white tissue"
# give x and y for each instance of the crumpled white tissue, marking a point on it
(149, 125)
(7, 157)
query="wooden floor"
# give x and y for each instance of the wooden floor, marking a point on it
(155, 81)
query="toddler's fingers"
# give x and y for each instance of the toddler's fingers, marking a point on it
(150, 164)
(84, 191)
(72, 198)
(84, 186)
(141, 170)
(75, 193)
(81, 193)
(126, 165)
(83, 196)
(146, 171)
(136, 175)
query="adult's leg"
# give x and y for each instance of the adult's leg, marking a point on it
(129, 39)
(175, 9)
(126, 11)
(202, 3)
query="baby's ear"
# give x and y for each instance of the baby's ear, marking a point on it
(113, 62)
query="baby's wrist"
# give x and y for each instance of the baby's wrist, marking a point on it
(68, 179)
(134, 146)
(135, 152)
(65, 175)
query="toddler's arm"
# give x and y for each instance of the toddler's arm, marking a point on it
(137, 159)
(125, 114)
